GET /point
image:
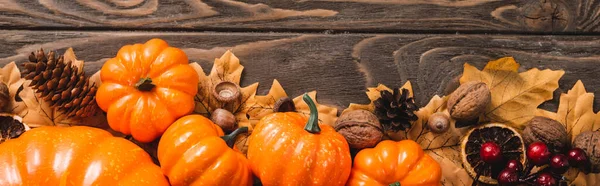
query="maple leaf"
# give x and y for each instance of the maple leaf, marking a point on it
(327, 115)
(445, 147)
(515, 96)
(11, 76)
(374, 93)
(226, 68)
(262, 105)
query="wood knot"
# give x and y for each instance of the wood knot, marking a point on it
(545, 15)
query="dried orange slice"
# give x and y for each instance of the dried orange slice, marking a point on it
(507, 138)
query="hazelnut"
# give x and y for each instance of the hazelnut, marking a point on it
(546, 130)
(438, 123)
(224, 119)
(226, 91)
(469, 101)
(284, 104)
(4, 96)
(590, 143)
(361, 128)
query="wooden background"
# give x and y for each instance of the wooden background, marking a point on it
(337, 47)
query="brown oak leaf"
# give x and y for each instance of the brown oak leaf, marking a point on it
(515, 96)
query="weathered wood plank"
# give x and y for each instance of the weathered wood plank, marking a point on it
(339, 67)
(282, 15)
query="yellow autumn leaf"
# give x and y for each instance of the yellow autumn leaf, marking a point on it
(69, 55)
(226, 68)
(374, 93)
(262, 105)
(515, 96)
(327, 115)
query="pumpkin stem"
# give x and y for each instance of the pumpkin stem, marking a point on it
(145, 84)
(312, 125)
(230, 138)
(395, 184)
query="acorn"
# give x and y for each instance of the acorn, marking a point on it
(227, 91)
(438, 123)
(361, 128)
(224, 119)
(284, 104)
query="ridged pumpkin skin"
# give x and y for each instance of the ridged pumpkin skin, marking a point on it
(282, 152)
(388, 162)
(191, 152)
(145, 109)
(75, 156)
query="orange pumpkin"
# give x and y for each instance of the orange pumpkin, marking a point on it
(75, 156)
(193, 151)
(145, 88)
(287, 149)
(390, 162)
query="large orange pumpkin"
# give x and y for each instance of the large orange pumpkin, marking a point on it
(287, 149)
(145, 88)
(75, 156)
(390, 162)
(193, 151)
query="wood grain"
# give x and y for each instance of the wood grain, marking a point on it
(390, 16)
(340, 67)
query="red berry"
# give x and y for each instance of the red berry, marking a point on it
(559, 163)
(577, 157)
(514, 166)
(545, 179)
(538, 153)
(490, 152)
(507, 177)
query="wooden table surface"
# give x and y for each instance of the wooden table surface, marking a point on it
(337, 47)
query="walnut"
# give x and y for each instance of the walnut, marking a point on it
(361, 128)
(590, 143)
(469, 101)
(548, 131)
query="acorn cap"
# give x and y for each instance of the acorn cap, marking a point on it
(226, 91)
(284, 104)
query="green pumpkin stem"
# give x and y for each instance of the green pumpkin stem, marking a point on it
(230, 138)
(145, 84)
(395, 184)
(312, 125)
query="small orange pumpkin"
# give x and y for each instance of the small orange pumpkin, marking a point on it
(287, 149)
(193, 151)
(75, 156)
(391, 162)
(145, 88)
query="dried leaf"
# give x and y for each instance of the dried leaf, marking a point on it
(11, 76)
(445, 147)
(374, 94)
(226, 68)
(327, 115)
(39, 113)
(95, 79)
(515, 96)
(261, 106)
(69, 55)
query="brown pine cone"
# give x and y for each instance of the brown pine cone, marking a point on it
(61, 84)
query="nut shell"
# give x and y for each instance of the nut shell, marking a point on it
(361, 128)
(224, 119)
(546, 130)
(469, 101)
(590, 143)
(226, 91)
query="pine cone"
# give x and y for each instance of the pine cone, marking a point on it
(395, 111)
(61, 84)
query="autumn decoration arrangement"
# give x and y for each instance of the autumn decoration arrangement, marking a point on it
(61, 126)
